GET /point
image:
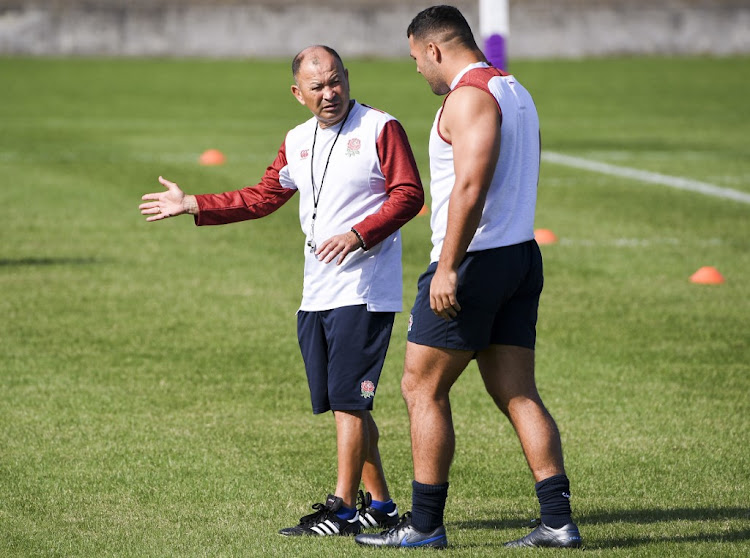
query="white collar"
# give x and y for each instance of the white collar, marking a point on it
(466, 69)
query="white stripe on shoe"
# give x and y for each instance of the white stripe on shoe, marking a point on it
(326, 527)
(329, 527)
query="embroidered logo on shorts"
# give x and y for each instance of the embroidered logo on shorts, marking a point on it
(411, 321)
(368, 389)
(352, 148)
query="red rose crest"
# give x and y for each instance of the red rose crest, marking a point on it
(368, 389)
(352, 148)
(304, 154)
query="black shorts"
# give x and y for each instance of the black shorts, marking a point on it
(344, 350)
(498, 290)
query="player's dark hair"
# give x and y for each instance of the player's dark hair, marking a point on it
(443, 22)
(297, 62)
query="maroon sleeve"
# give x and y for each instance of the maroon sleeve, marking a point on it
(251, 202)
(402, 184)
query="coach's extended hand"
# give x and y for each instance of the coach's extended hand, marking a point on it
(171, 203)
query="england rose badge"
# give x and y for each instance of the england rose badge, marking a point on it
(368, 389)
(352, 148)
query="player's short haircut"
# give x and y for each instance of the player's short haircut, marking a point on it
(441, 23)
(297, 62)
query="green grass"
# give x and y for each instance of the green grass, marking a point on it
(152, 398)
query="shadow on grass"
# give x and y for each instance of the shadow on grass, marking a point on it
(624, 542)
(40, 262)
(647, 516)
(658, 515)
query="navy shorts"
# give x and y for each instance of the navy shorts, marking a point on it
(344, 350)
(498, 290)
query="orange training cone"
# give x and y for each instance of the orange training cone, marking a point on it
(424, 210)
(545, 236)
(212, 157)
(707, 275)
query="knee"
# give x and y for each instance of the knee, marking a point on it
(421, 392)
(499, 395)
(523, 406)
(511, 399)
(411, 387)
(517, 403)
(407, 388)
(502, 404)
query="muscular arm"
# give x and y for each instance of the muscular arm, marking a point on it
(471, 122)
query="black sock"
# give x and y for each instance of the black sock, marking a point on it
(554, 500)
(427, 505)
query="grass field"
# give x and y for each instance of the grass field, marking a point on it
(152, 398)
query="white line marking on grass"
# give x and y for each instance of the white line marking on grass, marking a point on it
(647, 176)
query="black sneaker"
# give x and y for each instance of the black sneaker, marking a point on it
(566, 536)
(324, 521)
(372, 517)
(404, 535)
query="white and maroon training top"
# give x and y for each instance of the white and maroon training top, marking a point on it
(372, 185)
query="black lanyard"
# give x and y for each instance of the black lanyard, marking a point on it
(316, 199)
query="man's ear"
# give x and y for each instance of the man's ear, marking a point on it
(298, 94)
(433, 51)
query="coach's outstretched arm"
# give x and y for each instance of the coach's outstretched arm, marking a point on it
(170, 203)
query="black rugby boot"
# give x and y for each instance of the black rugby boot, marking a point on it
(324, 521)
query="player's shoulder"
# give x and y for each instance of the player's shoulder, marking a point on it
(468, 98)
(374, 114)
(479, 77)
(373, 119)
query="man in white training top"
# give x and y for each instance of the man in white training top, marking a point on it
(358, 183)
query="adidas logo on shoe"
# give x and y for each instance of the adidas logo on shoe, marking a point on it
(324, 521)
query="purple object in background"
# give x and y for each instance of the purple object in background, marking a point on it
(494, 50)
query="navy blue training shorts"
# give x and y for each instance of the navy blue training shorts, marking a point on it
(344, 350)
(498, 290)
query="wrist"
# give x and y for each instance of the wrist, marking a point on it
(190, 205)
(360, 239)
(445, 266)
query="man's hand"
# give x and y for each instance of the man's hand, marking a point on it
(443, 294)
(171, 203)
(339, 245)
